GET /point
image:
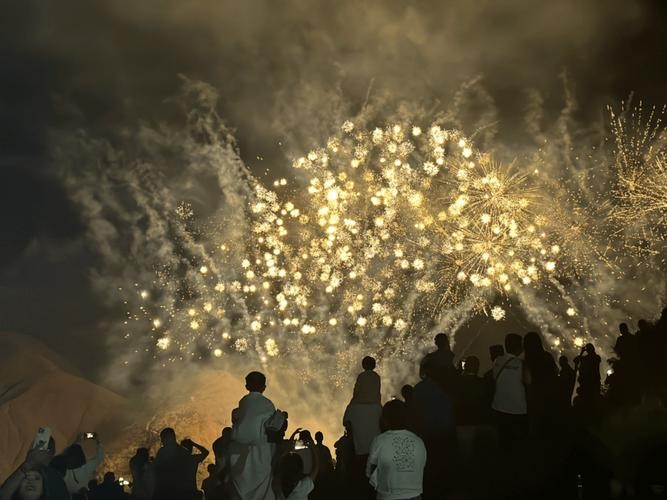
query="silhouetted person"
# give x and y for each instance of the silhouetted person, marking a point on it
(432, 418)
(211, 483)
(250, 452)
(362, 415)
(509, 399)
(367, 386)
(433, 414)
(441, 363)
(345, 458)
(195, 460)
(293, 484)
(495, 351)
(406, 393)
(396, 463)
(588, 364)
(472, 402)
(625, 381)
(172, 468)
(81, 470)
(567, 378)
(141, 468)
(108, 489)
(221, 445)
(541, 377)
(325, 476)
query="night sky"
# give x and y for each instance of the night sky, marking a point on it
(101, 66)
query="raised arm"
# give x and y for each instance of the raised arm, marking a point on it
(203, 452)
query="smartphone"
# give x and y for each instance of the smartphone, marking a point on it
(42, 438)
(300, 445)
(90, 435)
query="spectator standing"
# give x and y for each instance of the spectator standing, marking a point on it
(397, 459)
(250, 452)
(509, 399)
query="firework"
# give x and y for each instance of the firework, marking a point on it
(379, 237)
(641, 167)
(390, 226)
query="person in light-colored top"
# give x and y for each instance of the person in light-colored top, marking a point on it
(250, 452)
(291, 482)
(397, 458)
(364, 421)
(77, 479)
(509, 399)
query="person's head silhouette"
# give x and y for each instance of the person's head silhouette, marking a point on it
(441, 341)
(210, 468)
(394, 415)
(305, 436)
(623, 328)
(255, 382)
(495, 351)
(563, 362)
(513, 344)
(319, 437)
(471, 366)
(532, 343)
(109, 477)
(590, 349)
(406, 392)
(167, 436)
(368, 363)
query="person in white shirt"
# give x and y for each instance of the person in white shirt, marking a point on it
(250, 453)
(77, 479)
(295, 479)
(509, 399)
(397, 457)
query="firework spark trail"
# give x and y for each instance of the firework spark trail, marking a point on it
(640, 147)
(381, 236)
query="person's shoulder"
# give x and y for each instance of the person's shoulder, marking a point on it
(500, 360)
(429, 355)
(410, 434)
(306, 485)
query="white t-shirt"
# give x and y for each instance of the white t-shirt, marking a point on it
(77, 479)
(365, 419)
(399, 458)
(510, 394)
(302, 489)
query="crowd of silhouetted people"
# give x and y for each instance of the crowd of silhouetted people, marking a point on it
(530, 427)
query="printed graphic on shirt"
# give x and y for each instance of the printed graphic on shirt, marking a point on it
(404, 453)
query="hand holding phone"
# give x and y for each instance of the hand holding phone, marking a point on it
(300, 445)
(42, 438)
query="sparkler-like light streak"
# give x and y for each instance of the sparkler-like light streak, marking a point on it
(641, 165)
